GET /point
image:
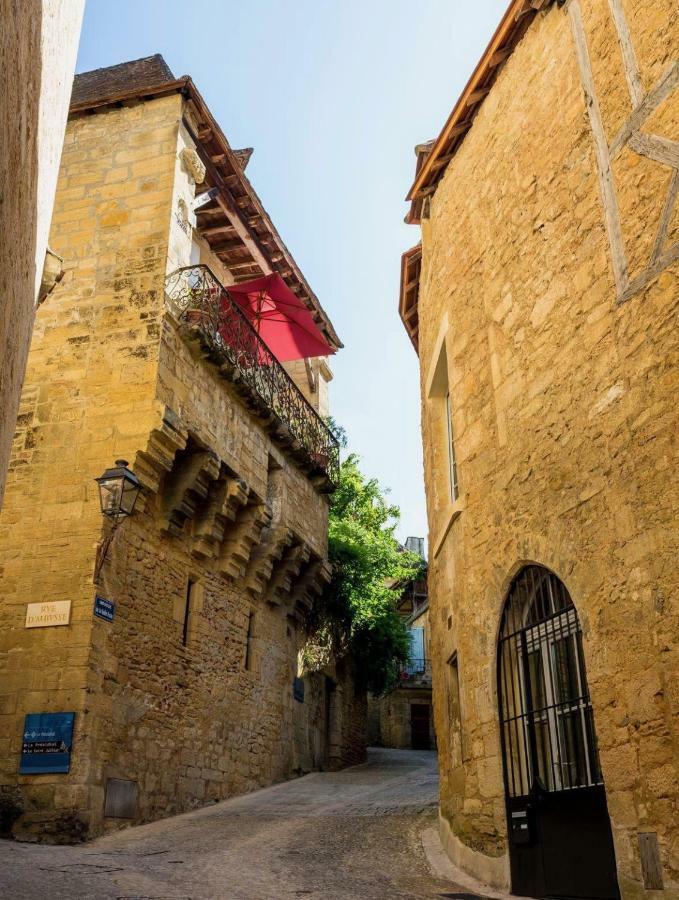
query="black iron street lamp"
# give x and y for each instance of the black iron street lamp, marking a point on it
(118, 491)
(119, 488)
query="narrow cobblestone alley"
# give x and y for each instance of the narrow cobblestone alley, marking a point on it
(350, 834)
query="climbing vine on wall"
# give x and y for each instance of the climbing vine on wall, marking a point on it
(356, 615)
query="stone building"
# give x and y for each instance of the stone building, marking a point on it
(38, 46)
(402, 717)
(543, 303)
(175, 653)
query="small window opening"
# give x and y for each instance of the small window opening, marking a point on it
(187, 612)
(248, 643)
(443, 438)
(452, 464)
(455, 711)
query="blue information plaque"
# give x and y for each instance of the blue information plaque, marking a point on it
(47, 743)
(104, 609)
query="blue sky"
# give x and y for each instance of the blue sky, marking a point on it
(333, 95)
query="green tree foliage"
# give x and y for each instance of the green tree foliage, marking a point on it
(356, 616)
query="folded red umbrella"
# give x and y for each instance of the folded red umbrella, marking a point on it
(280, 318)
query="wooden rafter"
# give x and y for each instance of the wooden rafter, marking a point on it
(411, 263)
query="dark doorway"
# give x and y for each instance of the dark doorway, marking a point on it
(560, 842)
(419, 726)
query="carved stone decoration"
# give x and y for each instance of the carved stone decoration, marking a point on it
(52, 273)
(661, 149)
(193, 164)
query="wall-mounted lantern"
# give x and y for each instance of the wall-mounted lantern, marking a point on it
(118, 490)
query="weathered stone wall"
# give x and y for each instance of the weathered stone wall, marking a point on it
(195, 723)
(391, 722)
(38, 47)
(348, 719)
(564, 414)
(88, 398)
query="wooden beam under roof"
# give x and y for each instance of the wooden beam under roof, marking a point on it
(217, 229)
(411, 265)
(227, 246)
(227, 202)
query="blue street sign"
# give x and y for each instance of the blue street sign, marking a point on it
(47, 743)
(104, 609)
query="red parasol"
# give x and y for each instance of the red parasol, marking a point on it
(280, 318)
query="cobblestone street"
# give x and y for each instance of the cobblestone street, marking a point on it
(350, 834)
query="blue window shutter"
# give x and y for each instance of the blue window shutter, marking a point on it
(417, 643)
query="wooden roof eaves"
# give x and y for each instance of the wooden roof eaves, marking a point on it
(231, 161)
(187, 88)
(147, 92)
(409, 294)
(513, 25)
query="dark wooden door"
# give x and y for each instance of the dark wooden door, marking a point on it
(560, 840)
(419, 726)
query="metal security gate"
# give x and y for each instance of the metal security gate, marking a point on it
(559, 830)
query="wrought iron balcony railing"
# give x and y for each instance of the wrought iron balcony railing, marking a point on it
(416, 673)
(198, 299)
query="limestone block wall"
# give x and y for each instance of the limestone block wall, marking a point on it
(87, 399)
(209, 408)
(38, 48)
(391, 723)
(347, 718)
(321, 375)
(196, 721)
(554, 292)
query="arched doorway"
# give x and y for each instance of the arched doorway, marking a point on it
(560, 842)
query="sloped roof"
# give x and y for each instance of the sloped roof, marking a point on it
(128, 76)
(433, 161)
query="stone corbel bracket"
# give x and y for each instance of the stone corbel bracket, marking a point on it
(153, 464)
(287, 571)
(193, 164)
(265, 557)
(227, 497)
(190, 484)
(309, 585)
(244, 534)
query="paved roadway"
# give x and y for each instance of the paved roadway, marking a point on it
(327, 836)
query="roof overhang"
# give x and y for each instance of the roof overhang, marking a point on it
(431, 165)
(411, 264)
(234, 223)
